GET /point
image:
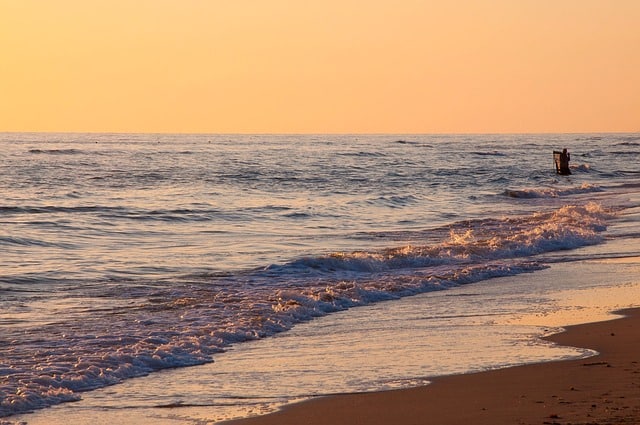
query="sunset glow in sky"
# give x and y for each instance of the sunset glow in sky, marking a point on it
(330, 66)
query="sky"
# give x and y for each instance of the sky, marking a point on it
(330, 66)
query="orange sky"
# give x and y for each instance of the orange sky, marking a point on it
(330, 66)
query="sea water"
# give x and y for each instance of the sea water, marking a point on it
(125, 255)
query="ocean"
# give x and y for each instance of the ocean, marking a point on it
(127, 254)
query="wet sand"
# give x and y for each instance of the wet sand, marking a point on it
(604, 389)
(599, 390)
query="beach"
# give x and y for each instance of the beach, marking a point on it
(319, 213)
(596, 390)
(604, 389)
(600, 389)
(366, 267)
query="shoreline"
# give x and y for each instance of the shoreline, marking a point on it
(603, 389)
(158, 398)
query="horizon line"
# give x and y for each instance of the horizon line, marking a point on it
(320, 133)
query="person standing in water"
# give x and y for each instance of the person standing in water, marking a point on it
(565, 157)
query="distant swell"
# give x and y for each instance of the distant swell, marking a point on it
(55, 151)
(117, 212)
(22, 241)
(493, 153)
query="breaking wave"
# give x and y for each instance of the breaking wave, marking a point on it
(186, 324)
(551, 192)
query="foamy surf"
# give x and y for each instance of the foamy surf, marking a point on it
(186, 324)
(552, 192)
(128, 254)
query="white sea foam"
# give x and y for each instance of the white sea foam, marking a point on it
(185, 326)
(550, 192)
(126, 254)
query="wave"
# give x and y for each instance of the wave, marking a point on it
(363, 154)
(165, 326)
(631, 140)
(492, 153)
(51, 209)
(185, 328)
(582, 167)
(551, 192)
(22, 241)
(169, 215)
(625, 153)
(481, 240)
(393, 201)
(56, 151)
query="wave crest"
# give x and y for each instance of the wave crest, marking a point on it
(551, 192)
(186, 325)
(569, 227)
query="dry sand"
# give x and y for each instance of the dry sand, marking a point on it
(600, 390)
